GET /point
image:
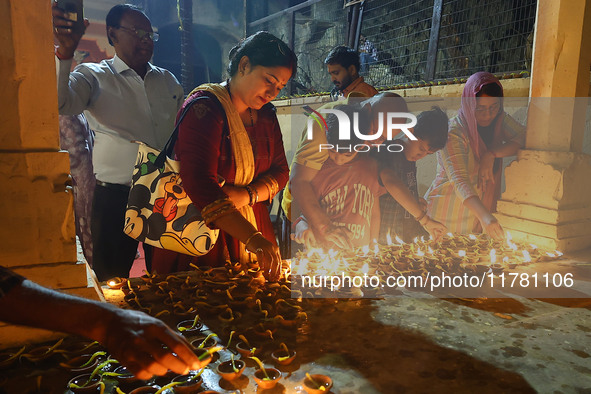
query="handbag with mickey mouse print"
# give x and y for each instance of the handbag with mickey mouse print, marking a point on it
(159, 211)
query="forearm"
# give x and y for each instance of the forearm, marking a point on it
(73, 93)
(509, 149)
(261, 190)
(304, 195)
(55, 311)
(400, 192)
(375, 222)
(145, 345)
(476, 207)
(236, 225)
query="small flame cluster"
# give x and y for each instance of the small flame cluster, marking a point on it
(453, 254)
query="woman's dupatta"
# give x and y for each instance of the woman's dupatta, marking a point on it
(242, 151)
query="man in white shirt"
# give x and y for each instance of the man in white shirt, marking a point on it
(125, 99)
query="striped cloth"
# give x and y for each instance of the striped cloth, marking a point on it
(457, 176)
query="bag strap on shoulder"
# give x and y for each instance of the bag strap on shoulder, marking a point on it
(169, 147)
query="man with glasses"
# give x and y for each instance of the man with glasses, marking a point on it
(125, 99)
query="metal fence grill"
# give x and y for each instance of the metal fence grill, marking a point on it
(317, 29)
(474, 35)
(400, 32)
(495, 36)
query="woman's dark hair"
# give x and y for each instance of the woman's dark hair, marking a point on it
(343, 56)
(432, 127)
(490, 89)
(116, 13)
(263, 49)
(332, 122)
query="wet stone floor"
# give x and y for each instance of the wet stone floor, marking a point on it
(503, 343)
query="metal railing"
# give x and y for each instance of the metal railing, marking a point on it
(415, 40)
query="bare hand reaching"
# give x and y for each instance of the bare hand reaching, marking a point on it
(339, 237)
(435, 229)
(146, 346)
(304, 235)
(492, 227)
(267, 255)
(485, 171)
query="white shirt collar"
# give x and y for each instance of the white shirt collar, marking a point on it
(120, 66)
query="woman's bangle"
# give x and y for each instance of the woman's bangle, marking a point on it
(427, 218)
(256, 195)
(251, 237)
(418, 219)
(250, 195)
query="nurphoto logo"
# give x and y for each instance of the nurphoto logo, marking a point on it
(391, 118)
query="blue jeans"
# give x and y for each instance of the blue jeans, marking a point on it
(366, 59)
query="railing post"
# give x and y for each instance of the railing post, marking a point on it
(186, 21)
(291, 44)
(434, 40)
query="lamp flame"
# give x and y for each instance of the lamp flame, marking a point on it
(302, 266)
(472, 237)
(493, 256)
(365, 268)
(462, 253)
(345, 263)
(313, 251)
(365, 249)
(510, 242)
(526, 256)
(399, 240)
(389, 239)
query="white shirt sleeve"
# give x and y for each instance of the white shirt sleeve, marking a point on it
(74, 89)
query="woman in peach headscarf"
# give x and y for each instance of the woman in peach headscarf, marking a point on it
(464, 194)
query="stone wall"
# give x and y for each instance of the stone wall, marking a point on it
(37, 236)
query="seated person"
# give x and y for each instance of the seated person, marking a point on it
(464, 194)
(347, 189)
(342, 63)
(398, 172)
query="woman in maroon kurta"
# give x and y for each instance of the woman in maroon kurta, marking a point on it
(252, 170)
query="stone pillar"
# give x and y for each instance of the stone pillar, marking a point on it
(547, 198)
(37, 236)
